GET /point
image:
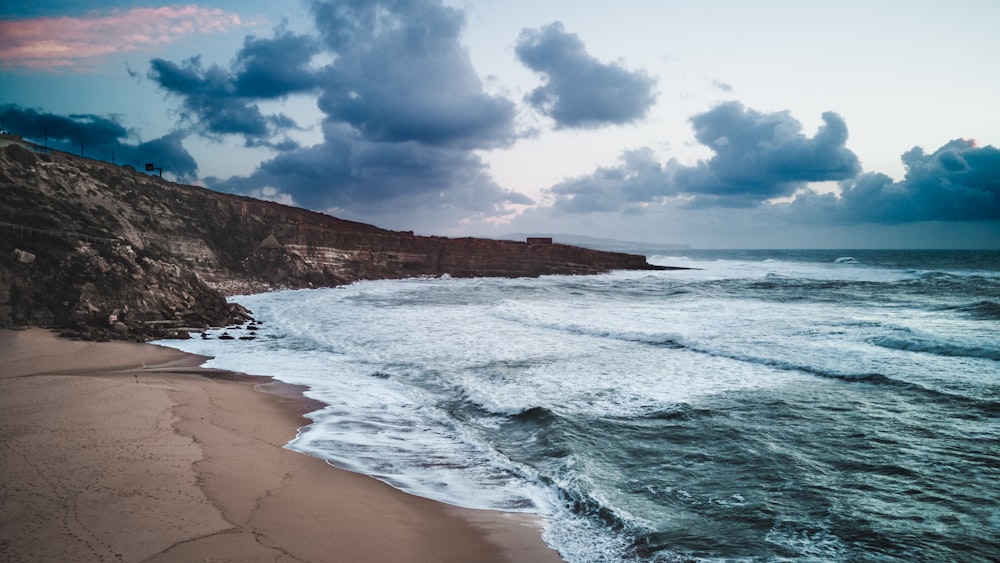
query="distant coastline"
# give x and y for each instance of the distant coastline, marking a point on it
(606, 244)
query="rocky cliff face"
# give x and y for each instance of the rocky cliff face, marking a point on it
(118, 253)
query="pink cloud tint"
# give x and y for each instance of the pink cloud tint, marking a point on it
(65, 42)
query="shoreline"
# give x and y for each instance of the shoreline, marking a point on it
(132, 452)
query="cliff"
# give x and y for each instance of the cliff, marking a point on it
(116, 253)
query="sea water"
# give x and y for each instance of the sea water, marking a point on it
(768, 405)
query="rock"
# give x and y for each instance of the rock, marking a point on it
(269, 243)
(119, 327)
(20, 155)
(22, 257)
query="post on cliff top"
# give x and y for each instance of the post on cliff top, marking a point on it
(150, 168)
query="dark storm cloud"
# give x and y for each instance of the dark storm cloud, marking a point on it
(579, 90)
(402, 74)
(403, 112)
(275, 68)
(102, 137)
(957, 182)
(220, 101)
(350, 173)
(758, 156)
(94, 129)
(208, 99)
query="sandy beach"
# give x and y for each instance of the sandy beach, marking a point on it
(130, 452)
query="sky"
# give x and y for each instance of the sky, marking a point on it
(715, 123)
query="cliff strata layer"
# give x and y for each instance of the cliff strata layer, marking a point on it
(116, 253)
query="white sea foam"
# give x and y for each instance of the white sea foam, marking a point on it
(417, 373)
(935, 346)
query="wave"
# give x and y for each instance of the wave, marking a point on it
(595, 530)
(537, 466)
(867, 378)
(492, 404)
(985, 310)
(677, 342)
(664, 258)
(863, 377)
(658, 339)
(983, 283)
(916, 344)
(680, 412)
(536, 414)
(846, 260)
(814, 543)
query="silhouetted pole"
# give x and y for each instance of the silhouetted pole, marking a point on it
(46, 132)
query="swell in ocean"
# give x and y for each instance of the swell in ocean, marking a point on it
(775, 405)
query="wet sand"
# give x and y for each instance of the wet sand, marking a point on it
(130, 452)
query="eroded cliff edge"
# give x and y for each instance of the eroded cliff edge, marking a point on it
(112, 252)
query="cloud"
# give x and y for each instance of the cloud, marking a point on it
(957, 182)
(217, 101)
(208, 100)
(210, 104)
(404, 112)
(579, 90)
(101, 136)
(270, 193)
(639, 179)
(363, 178)
(51, 43)
(724, 86)
(32, 124)
(761, 156)
(402, 74)
(758, 157)
(275, 68)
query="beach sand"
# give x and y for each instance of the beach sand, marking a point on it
(130, 452)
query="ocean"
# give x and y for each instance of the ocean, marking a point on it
(765, 406)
